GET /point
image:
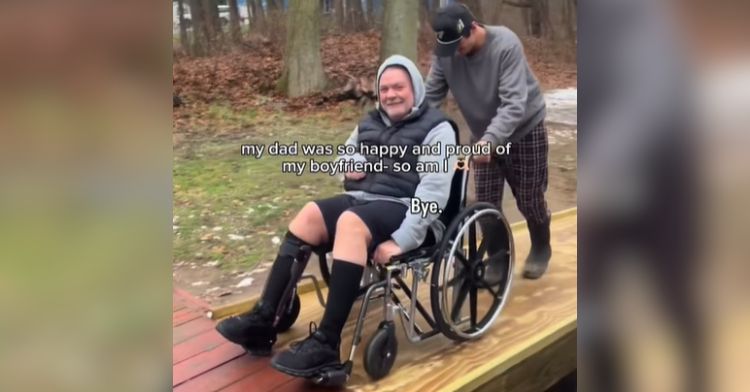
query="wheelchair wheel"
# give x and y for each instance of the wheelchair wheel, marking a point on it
(381, 350)
(289, 316)
(471, 276)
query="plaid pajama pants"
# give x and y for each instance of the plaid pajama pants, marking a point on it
(525, 169)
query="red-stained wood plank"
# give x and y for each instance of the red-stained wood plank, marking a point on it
(178, 302)
(267, 379)
(203, 342)
(297, 384)
(204, 362)
(191, 328)
(184, 315)
(224, 375)
(192, 301)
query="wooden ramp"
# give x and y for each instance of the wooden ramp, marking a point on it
(530, 347)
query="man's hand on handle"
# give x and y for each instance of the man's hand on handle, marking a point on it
(355, 176)
(481, 158)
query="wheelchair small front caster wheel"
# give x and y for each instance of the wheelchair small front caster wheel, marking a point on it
(289, 316)
(381, 350)
(331, 377)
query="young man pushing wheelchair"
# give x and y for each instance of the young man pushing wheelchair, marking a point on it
(372, 220)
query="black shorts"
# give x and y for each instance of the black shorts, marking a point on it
(382, 218)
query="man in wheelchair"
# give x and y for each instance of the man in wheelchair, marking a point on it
(370, 221)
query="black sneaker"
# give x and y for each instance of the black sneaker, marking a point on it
(253, 330)
(308, 357)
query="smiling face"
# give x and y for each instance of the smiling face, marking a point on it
(395, 93)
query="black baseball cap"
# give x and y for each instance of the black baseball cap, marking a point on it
(451, 24)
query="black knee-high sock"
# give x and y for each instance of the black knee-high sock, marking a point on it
(343, 290)
(281, 270)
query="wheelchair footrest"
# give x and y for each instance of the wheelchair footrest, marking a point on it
(333, 376)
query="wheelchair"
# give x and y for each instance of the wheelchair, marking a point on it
(457, 263)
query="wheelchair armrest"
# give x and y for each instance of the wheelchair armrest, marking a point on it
(434, 235)
(412, 254)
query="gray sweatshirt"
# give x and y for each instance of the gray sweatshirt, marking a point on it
(495, 89)
(432, 186)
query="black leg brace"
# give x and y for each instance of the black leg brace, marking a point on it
(280, 275)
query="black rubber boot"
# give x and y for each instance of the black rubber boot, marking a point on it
(541, 251)
(494, 232)
(253, 330)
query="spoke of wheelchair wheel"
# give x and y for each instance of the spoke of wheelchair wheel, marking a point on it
(487, 286)
(462, 291)
(459, 276)
(462, 257)
(473, 305)
(482, 248)
(472, 242)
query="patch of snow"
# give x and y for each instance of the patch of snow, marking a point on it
(245, 282)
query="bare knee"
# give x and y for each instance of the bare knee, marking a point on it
(309, 225)
(350, 224)
(352, 239)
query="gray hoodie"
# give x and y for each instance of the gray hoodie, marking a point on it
(497, 92)
(432, 186)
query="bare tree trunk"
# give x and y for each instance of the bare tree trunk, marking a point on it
(569, 19)
(234, 21)
(183, 28)
(303, 69)
(355, 15)
(536, 16)
(399, 34)
(476, 9)
(535, 21)
(252, 16)
(361, 15)
(276, 5)
(212, 24)
(260, 16)
(345, 6)
(250, 4)
(201, 33)
(338, 9)
(377, 12)
(275, 20)
(492, 11)
(541, 8)
(365, 16)
(211, 15)
(371, 12)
